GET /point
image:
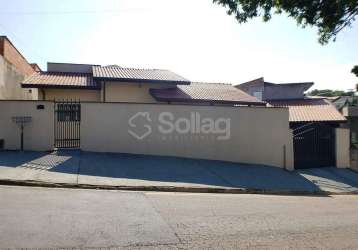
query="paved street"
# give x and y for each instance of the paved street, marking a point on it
(73, 218)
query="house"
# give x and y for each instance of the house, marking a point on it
(95, 83)
(69, 85)
(70, 101)
(270, 91)
(313, 120)
(13, 69)
(348, 106)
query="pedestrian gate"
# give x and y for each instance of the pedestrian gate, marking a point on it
(314, 145)
(67, 124)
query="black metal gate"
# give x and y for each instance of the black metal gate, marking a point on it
(314, 145)
(67, 124)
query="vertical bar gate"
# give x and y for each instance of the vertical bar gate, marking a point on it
(67, 124)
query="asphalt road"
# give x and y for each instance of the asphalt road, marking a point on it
(65, 218)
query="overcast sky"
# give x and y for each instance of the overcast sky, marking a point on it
(195, 39)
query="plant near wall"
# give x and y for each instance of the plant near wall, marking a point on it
(329, 16)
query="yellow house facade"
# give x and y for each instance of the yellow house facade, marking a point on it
(94, 83)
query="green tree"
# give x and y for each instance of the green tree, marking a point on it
(329, 16)
(355, 70)
(329, 92)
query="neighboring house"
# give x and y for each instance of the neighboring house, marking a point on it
(13, 69)
(270, 91)
(84, 82)
(348, 106)
(313, 120)
(206, 94)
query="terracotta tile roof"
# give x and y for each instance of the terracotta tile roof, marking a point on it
(309, 110)
(138, 75)
(60, 80)
(205, 92)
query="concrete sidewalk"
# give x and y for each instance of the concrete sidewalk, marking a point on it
(138, 172)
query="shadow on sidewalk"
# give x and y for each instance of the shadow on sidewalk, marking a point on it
(63, 161)
(177, 171)
(190, 171)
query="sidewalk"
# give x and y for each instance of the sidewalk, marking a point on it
(138, 172)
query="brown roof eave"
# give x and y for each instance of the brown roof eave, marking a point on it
(208, 101)
(325, 121)
(56, 86)
(140, 80)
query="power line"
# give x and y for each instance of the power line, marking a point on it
(69, 12)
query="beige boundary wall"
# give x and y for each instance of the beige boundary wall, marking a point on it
(38, 135)
(257, 135)
(342, 148)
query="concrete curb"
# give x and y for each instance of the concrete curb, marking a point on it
(31, 183)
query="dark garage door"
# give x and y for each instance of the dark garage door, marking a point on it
(314, 145)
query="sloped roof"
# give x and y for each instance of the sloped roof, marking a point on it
(305, 85)
(258, 81)
(285, 90)
(205, 92)
(117, 73)
(275, 91)
(310, 110)
(60, 80)
(342, 101)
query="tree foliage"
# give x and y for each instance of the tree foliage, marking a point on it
(355, 70)
(329, 92)
(329, 16)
